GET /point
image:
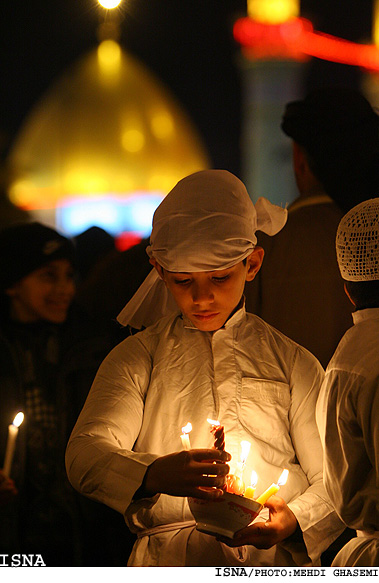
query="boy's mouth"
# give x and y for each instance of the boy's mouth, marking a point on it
(205, 316)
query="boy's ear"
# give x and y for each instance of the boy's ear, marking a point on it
(158, 267)
(254, 262)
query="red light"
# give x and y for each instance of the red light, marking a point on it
(127, 240)
(296, 39)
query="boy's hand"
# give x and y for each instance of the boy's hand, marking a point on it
(198, 472)
(281, 524)
(7, 489)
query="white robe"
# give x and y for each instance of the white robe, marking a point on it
(259, 384)
(348, 419)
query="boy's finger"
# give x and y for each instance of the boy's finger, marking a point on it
(211, 454)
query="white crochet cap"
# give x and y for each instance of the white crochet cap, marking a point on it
(357, 242)
(207, 222)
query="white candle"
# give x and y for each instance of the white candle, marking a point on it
(245, 448)
(185, 437)
(11, 443)
(273, 488)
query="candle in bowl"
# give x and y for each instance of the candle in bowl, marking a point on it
(234, 484)
(11, 443)
(185, 437)
(245, 449)
(273, 489)
(250, 490)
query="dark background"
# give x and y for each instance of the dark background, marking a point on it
(187, 43)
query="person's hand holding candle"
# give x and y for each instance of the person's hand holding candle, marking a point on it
(199, 473)
(281, 524)
(8, 489)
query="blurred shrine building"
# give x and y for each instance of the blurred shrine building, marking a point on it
(108, 140)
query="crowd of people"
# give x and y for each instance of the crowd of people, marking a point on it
(263, 318)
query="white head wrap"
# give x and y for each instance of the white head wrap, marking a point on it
(206, 223)
(357, 242)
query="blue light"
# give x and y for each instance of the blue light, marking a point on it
(138, 213)
(115, 215)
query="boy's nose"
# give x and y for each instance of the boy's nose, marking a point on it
(202, 294)
(65, 286)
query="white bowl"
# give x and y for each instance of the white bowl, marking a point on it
(224, 515)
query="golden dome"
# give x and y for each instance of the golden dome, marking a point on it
(107, 127)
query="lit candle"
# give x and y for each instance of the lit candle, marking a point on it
(11, 443)
(250, 490)
(234, 482)
(245, 448)
(262, 499)
(185, 437)
(218, 431)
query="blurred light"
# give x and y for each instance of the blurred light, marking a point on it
(163, 182)
(273, 11)
(109, 3)
(109, 57)
(19, 192)
(133, 140)
(296, 39)
(78, 178)
(75, 216)
(375, 21)
(126, 240)
(140, 211)
(162, 125)
(132, 214)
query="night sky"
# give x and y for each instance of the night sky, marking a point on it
(187, 43)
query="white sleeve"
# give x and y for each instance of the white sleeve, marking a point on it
(313, 509)
(352, 448)
(100, 462)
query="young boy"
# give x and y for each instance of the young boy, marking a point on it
(206, 357)
(347, 410)
(36, 291)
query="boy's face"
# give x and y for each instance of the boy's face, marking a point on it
(44, 294)
(208, 298)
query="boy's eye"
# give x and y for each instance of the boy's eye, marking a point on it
(181, 281)
(221, 278)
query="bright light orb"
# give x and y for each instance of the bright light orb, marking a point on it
(273, 11)
(109, 3)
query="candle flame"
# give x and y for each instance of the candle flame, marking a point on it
(187, 428)
(213, 422)
(245, 448)
(18, 419)
(254, 479)
(283, 478)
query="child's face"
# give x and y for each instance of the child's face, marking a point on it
(208, 298)
(44, 294)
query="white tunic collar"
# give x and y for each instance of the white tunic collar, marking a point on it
(366, 314)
